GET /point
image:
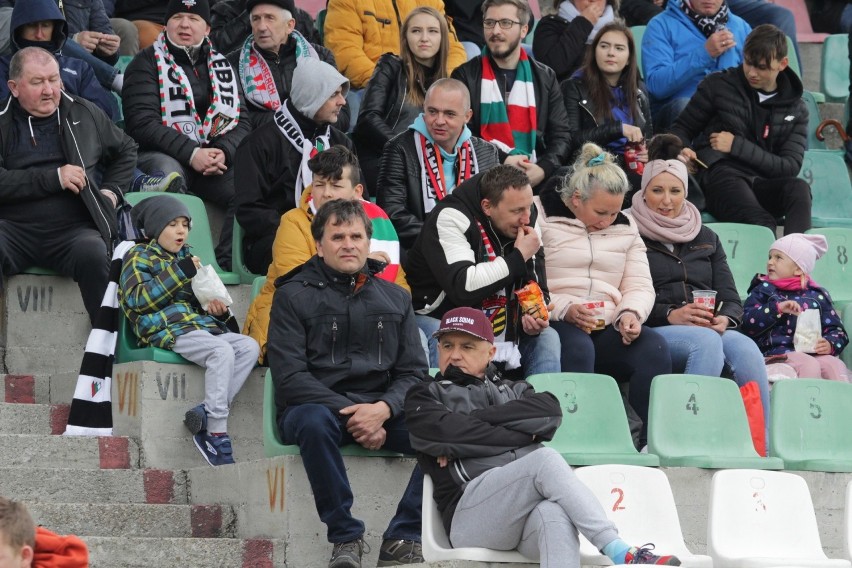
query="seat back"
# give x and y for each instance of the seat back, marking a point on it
(747, 248)
(811, 426)
(792, 57)
(638, 33)
(200, 238)
(814, 143)
(830, 271)
(826, 173)
(594, 422)
(834, 76)
(763, 514)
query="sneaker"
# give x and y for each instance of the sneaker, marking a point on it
(195, 419)
(158, 182)
(399, 552)
(348, 554)
(643, 555)
(215, 449)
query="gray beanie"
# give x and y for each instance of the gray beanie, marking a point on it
(154, 213)
(314, 82)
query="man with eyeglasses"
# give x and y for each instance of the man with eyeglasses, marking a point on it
(515, 100)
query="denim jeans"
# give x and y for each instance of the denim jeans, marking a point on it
(319, 433)
(702, 351)
(539, 353)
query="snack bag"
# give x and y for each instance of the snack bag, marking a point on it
(531, 299)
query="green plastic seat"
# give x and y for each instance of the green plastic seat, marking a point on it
(826, 173)
(127, 348)
(200, 238)
(814, 143)
(638, 33)
(747, 248)
(256, 286)
(698, 421)
(237, 261)
(594, 426)
(834, 68)
(39, 271)
(811, 426)
(319, 24)
(832, 270)
(272, 444)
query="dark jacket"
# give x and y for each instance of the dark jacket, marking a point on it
(700, 264)
(88, 139)
(284, 62)
(78, 78)
(581, 115)
(438, 286)
(400, 192)
(478, 424)
(140, 99)
(265, 171)
(560, 44)
(338, 339)
(770, 138)
(553, 134)
(638, 12)
(148, 10)
(230, 25)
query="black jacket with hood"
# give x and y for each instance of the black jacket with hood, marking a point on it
(339, 339)
(78, 78)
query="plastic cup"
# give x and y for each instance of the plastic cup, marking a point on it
(705, 299)
(596, 305)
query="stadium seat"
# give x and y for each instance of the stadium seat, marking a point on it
(832, 269)
(826, 173)
(594, 426)
(200, 238)
(811, 427)
(437, 547)
(638, 33)
(272, 444)
(814, 119)
(834, 72)
(39, 271)
(698, 421)
(127, 348)
(237, 262)
(746, 247)
(319, 24)
(639, 501)
(763, 519)
(256, 286)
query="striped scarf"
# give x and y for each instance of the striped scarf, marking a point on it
(511, 126)
(432, 180)
(308, 148)
(256, 76)
(91, 408)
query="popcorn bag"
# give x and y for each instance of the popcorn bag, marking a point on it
(808, 331)
(207, 286)
(531, 299)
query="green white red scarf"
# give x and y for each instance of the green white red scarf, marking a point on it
(510, 125)
(432, 180)
(306, 147)
(177, 103)
(256, 76)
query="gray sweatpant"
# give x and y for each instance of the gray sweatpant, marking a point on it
(227, 360)
(535, 504)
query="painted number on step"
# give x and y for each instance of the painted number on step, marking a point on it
(617, 506)
(692, 404)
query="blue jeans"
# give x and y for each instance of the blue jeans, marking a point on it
(319, 433)
(702, 351)
(539, 353)
(757, 12)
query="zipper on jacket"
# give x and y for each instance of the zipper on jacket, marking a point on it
(383, 21)
(381, 328)
(401, 104)
(91, 190)
(333, 339)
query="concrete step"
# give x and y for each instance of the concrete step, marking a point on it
(55, 388)
(33, 418)
(71, 452)
(136, 520)
(120, 552)
(55, 485)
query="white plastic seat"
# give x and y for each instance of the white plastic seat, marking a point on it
(436, 545)
(759, 519)
(639, 501)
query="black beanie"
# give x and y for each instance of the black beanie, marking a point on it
(199, 7)
(154, 213)
(288, 5)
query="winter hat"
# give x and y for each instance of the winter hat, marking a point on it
(154, 213)
(314, 82)
(288, 5)
(199, 7)
(467, 320)
(802, 249)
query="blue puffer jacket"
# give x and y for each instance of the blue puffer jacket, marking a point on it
(774, 331)
(674, 60)
(78, 78)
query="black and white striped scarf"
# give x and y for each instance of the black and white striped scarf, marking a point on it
(91, 409)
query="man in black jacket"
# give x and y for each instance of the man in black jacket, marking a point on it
(537, 132)
(343, 350)
(63, 167)
(479, 438)
(265, 60)
(426, 162)
(182, 105)
(272, 162)
(748, 124)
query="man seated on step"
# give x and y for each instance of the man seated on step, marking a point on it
(479, 438)
(63, 167)
(23, 545)
(343, 350)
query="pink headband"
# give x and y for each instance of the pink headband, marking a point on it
(674, 167)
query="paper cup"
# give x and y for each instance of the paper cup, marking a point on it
(705, 299)
(596, 304)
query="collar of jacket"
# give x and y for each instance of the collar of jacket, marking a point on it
(315, 272)
(553, 206)
(182, 57)
(284, 50)
(459, 377)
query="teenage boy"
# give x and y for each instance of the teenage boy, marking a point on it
(748, 124)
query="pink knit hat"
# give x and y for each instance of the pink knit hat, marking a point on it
(802, 249)
(673, 166)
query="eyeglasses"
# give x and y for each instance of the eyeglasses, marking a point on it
(504, 24)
